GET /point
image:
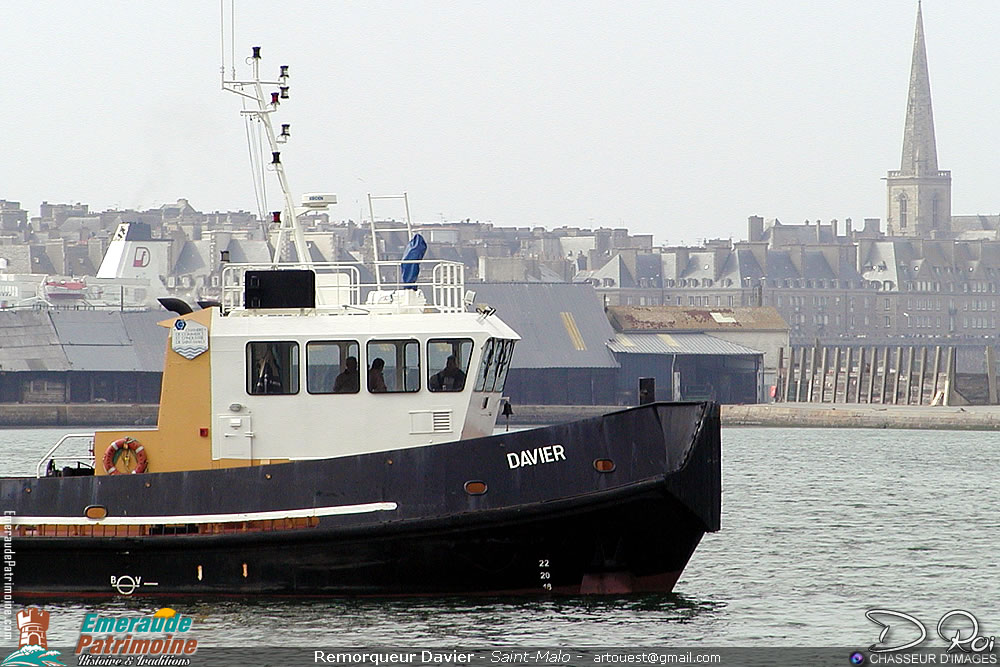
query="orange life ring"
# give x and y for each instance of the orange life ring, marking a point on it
(111, 454)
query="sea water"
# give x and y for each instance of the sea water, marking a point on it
(818, 526)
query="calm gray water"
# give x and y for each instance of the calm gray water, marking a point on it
(819, 525)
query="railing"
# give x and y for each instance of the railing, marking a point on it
(339, 283)
(49, 455)
(449, 286)
(896, 173)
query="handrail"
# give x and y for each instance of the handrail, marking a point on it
(445, 280)
(48, 455)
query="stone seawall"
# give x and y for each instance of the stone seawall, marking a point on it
(77, 414)
(948, 418)
(971, 418)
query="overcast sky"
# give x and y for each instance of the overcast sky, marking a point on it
(678, 118)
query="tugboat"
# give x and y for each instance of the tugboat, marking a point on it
(328, 429)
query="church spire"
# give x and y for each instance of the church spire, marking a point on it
(919, 146)
(919, 194)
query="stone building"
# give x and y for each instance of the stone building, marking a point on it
(931, 275)
(12, 216)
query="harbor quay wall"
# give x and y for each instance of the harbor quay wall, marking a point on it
(920, 417)
(78, 414)
(971, 418)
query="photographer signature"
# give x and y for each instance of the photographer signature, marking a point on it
(954, 621)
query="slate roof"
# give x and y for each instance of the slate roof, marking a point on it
(615, 269)
(193, 258)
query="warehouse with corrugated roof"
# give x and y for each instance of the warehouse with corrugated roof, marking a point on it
(698, 353)
(563, 356)
(81, 356)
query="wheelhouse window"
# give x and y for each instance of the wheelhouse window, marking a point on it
(393, 366)
(273, 367)
(495, 363)
(332, 367)
(448, 363)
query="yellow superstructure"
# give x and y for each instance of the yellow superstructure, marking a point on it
(182, 439)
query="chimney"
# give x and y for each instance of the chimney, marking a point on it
(848, 255)
(681, 258)
(755, 228)
(850, 229)
(796, 254)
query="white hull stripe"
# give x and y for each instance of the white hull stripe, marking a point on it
(198, 518)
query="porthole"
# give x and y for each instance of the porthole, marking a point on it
(475, 487)
(604, 465)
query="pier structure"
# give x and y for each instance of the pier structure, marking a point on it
(886, 375)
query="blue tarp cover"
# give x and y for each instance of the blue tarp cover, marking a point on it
(414, 251)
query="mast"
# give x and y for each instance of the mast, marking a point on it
(253, 89)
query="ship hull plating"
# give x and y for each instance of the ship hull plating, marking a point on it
(614, 504)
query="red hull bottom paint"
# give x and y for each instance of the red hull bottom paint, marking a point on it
(617, 583)
(608, 583)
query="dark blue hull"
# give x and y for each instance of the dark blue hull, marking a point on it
(552, 523)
